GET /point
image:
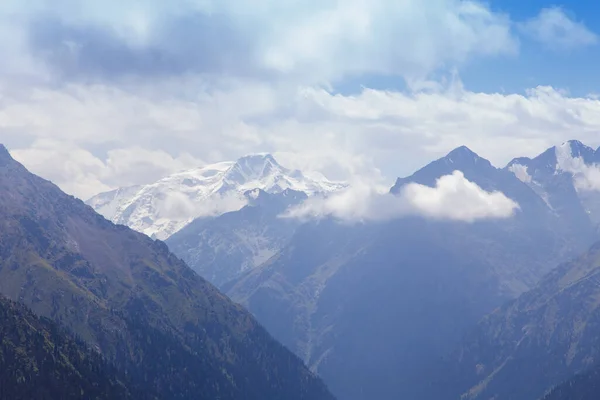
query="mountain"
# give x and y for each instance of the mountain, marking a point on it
(40, 361)
(224, 247)
(561, 176)
(536, 341)
(392, 297)
(127, 296)
(162, 208)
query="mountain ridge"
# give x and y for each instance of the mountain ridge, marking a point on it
(124, 293)
(162, 208)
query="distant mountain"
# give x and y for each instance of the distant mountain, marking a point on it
(224, 247)
(392, 297)
(554, 175)
(38, 360)
(128, 297)
(164, 207)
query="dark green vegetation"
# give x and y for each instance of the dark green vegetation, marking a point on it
(141, 307)
(40, 361)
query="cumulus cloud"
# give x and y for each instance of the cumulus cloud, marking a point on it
(453, 198)
(558, 31)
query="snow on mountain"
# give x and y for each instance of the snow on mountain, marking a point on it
(164, 207)
(566, 176)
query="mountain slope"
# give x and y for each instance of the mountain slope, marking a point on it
(164, 207)
(118, 289)
(39, 361)
(584, 386)
(222, 248)
(391, 298)
(529, 345)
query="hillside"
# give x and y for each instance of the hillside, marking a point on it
(40, 361)
(533, 343)
(119, 290)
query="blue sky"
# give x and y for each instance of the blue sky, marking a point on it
(127, 91)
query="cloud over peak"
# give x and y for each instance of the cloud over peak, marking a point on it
(453, 198)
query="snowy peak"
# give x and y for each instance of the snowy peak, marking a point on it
(578, 149)
(252, 168)
(164, 207)
(573, 151)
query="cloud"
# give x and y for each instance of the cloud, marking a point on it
(308, 127)
(137, 90)
(78, 171)
(310, 41)
(178, 206)
(453, 198)
(558, 31)
(586, 177)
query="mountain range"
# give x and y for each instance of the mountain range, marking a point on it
(411, 306)
(132, 301)
(391, 297)
(164, 207)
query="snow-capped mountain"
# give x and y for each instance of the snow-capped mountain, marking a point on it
(162, 208)
(566, 177)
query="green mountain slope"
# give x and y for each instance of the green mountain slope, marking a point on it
(39, 361)
(118, 290)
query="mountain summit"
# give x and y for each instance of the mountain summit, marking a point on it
(162, 208)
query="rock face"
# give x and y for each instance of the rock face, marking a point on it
(166, 206)
(129, 297)
(222, 248)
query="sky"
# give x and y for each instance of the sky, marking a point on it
(102, 94)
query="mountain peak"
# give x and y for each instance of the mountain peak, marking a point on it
(254, 167)
(462, 155)
(578, 149)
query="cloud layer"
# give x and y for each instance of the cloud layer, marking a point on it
(315, 41)
(453, 198)
(132, 91)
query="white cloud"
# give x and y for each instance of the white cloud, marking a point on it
(557, 30)
(586, 177)
(307, 127)
(315, 41)
(178, 206)
(453, 198)
(79, 172)
(90, 89)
